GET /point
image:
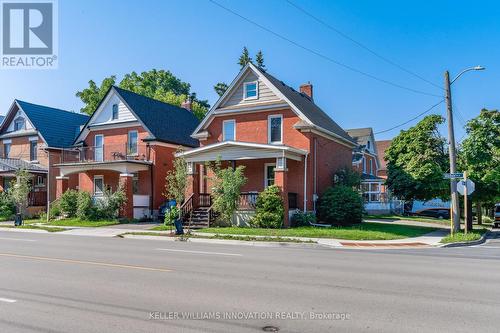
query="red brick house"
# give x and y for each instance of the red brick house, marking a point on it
(32, 138)
(130, 140)
(279, 134)
(382, 146)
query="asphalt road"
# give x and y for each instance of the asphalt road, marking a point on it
(60, 283)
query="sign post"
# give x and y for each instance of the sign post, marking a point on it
(466, 210)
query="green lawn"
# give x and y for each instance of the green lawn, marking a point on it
(461, 237)
(75, 222)
(408, 218)
(363, 231)
(163, 227)
(28, 226)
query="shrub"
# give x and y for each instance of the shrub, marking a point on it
(269, 210)
(301, 219)
(347, 177)
(340, 205)
(171, 215)
(109, 205)
(84, 206)
(68, 203)
(55, 209)
(487, 220)
(7, 205)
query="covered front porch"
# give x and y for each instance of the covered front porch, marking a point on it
(265, 165)
(97, 177)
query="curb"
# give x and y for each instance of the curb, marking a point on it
(463, 244)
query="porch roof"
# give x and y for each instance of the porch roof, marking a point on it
(11, 165)
(236, 150)
(121, 166)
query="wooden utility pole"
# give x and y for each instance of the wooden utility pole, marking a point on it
(455, 214)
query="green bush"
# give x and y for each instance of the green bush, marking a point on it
(84, 209)
(7, 205)
(340, 205)
(171, 215)
(301, 219)
(68, 203)
(269, 210)
(108, 207)
(487, 220)
(55, 209)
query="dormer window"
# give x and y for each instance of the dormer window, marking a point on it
(251, 90)
(18, 124)
(115, 112)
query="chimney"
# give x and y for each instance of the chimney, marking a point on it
(187, 104)
(307, 89)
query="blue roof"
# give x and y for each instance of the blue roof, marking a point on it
(166, 122)
(59, 128)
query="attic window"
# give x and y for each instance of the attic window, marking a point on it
(18, 124)
(251, 90)
(368, 145)
(115, 112)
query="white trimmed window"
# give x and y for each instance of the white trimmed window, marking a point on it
(269, 174)
(364, 164)
(371, 167)
(229, 130)
(98, 185)
(132, 143)
(115, 112)
(275, 129)
(251, 90)
(372, 192)
(18, 124)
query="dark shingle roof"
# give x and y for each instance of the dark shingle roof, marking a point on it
(313, 112)
(58, 127)
(167, 122)
(366, 176)
(13, 164)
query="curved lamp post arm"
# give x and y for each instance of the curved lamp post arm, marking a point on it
(477, 68)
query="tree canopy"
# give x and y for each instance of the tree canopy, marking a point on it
(417, 160)
(480, 155)
(157, 84)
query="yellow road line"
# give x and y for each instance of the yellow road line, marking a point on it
(95, 263)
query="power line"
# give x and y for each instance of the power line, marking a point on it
(412, 119)
(361, 45)
(397, 85)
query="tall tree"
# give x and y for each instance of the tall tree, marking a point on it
(93, 95)
(259, 59)
(157, 84)
(244, 58)
(220, 88)
(416, 161)
(480, 156)
(19, 191)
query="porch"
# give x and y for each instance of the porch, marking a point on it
(264, 164)
(108, 167)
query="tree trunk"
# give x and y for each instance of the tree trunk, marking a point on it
(479, 213)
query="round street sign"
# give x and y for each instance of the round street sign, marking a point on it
(470, 187)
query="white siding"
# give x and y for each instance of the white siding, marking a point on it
(105, 112)
(20, 113)
(236, 98)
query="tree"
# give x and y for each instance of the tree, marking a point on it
(416, 162)
(480, 156)
(19, 191)
(259, 59)
(269, 210)
(176, 180)
(157, 84)
(347, 177)
(227, 183)
(93, 95)
(244, 58)
(220, 88)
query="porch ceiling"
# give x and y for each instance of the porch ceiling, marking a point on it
(232, 150)
(118, 166)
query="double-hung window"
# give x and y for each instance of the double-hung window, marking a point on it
(275, 129)
(19, 124)
(132, 143)
(229, 130)
(99, 148)
(6, 150)
(98, 185)
(115, 112)
(251, 90)
(33, 150)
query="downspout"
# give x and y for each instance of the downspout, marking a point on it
(315, 196)
(48, 187)
(305, 182)
(151, 170)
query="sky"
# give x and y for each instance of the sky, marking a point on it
(200, 42)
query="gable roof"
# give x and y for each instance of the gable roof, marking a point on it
(382, 146)
(165, 122)
(359, 134)
(57, 127)
(311, 115)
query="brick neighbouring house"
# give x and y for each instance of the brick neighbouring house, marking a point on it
(130, 139)
(382, 146)
(33, 137)
(279, 134)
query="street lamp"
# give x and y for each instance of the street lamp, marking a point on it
(455, 216)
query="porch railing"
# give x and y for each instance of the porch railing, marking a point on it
(106, 153)
(248, 200)
(37, 198)
(205, 200)
(187, 207)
